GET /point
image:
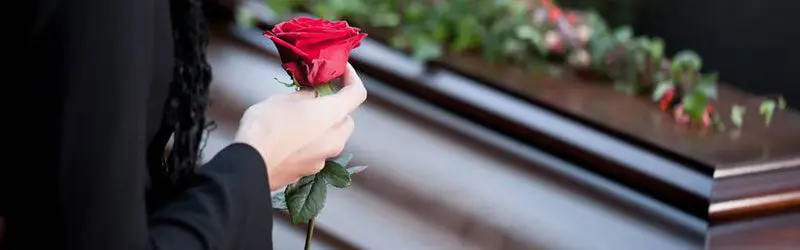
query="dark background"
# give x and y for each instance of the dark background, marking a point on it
(752, 44)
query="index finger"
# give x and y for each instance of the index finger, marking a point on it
(347, 99)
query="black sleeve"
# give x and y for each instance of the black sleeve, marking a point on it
(79, 134)
(227, 207)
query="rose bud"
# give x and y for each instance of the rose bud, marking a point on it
(315, 51)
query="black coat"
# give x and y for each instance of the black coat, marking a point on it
(83, 94)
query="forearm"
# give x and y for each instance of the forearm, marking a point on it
(226, 205)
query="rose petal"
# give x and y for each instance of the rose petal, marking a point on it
(314, 46)
(295, 37)
(298, 72)
(295, 52)
(315, 51)
(318, 72)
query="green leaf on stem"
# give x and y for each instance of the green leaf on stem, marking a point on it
(695, 105)
(656, 48)
(306, 198)
(527, 32)
(623, 33)
(781, 103)
(466, 35)
(344, 159)
(767, 109)
(287, 84)
(599, 49)
(737, 113)
(336, 174)
(662, 89)
(686, 59)
(708, 86)
(356, 169)
(279, 201)
(440, 32)
(533, 37)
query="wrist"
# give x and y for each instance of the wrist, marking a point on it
(266, 150)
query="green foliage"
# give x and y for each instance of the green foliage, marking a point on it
(661, 89)
(507, 31)
(282, 7)
(336, 174)
(767, 109)
(737, 114)
(306, 198)
(695, 104)
(686, 60)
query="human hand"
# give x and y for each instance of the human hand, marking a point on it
(295, 133)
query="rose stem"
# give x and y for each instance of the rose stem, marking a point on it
(322, 90)
(309, 233)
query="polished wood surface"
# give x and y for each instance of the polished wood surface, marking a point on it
(639, 120)
(695, 195)
(773, 232)
(430, 187)
(743, 164)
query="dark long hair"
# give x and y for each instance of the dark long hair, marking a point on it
(184, 112)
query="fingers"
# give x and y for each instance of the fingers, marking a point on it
(329, 145)
(338, 135)
(301, 95)
(344, 102)
(314, 169)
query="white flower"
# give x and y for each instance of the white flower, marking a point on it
(584, 32)
(552, 39)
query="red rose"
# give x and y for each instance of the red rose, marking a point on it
(315, 51)
(667, 99)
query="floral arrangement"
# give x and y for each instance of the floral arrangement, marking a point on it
(314, 52)
(535, 32)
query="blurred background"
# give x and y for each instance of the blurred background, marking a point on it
(440, 181)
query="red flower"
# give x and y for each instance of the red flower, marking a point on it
(667, 99)
(554, 14)
(683, 118)
(315, 51)
(680, 116)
